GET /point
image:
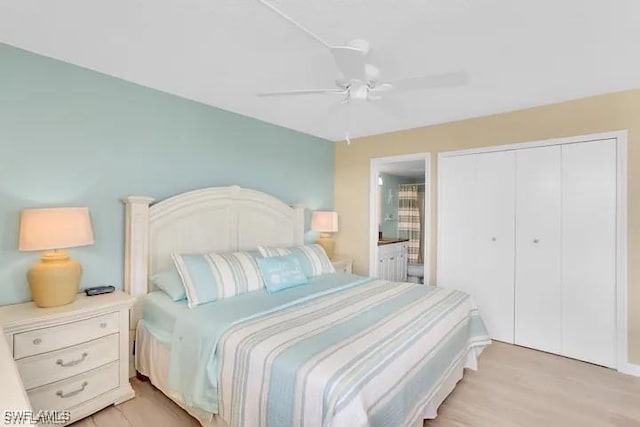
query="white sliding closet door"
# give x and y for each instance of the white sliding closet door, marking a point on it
(538, 290)
(589, 251)
(456, 222)
(494, 210)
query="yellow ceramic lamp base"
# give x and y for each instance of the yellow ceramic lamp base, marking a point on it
(326, 241)
(54, 280)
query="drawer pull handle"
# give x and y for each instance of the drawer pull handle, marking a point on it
(63, 395)
(37, 341)
(103, 325)
(73, 362)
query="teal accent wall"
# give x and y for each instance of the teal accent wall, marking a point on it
(74, 137)
(389, 200)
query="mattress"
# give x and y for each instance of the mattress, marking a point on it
(160, 313)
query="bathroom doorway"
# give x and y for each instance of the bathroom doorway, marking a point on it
(400, 219)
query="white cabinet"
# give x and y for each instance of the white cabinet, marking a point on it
(530, 233)
(538, 293)
(392, 262)
(74, 357)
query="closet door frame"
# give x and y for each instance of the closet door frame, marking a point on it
(620, 136)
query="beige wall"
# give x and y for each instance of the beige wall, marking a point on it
(609, 112)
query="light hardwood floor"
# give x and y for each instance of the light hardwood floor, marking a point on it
(514, 387)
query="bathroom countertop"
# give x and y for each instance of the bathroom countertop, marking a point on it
(390, 240)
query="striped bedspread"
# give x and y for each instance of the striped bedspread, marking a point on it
(367, 355)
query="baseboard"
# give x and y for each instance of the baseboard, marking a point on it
(125, 394)
(630, 369)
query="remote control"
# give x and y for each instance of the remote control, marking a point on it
(99, 290)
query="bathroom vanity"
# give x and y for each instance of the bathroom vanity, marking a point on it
(392, 259)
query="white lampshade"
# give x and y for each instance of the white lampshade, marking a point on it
(324, 221)
(54, 228)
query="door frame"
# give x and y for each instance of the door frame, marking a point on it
(374, 171)
(622, 357)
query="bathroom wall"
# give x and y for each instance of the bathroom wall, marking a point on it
(389, 201)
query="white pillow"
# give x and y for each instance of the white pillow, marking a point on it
(210, 277)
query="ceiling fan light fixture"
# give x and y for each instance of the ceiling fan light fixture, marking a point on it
(372, 72)
(361, 92)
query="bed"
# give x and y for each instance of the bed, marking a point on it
(342, 350)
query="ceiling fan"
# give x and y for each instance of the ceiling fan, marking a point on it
(359, 80)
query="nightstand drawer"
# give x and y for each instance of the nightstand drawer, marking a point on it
(66, 335)
(73, 391)
(57, 365)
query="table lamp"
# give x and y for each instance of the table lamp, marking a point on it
(55, 279)
(325, 222)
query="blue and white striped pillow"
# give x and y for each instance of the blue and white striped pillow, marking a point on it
(313, 258)
(210, 277)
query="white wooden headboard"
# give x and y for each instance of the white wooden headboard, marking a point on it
(201, 221)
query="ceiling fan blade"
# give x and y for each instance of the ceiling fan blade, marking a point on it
(431, 81)
(303, 92)
(350, 61)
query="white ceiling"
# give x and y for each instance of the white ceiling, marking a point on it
(222, 52)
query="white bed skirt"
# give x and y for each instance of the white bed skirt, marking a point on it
(152, 361)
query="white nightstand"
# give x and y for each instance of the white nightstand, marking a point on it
(73, 357)
(342, 264)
